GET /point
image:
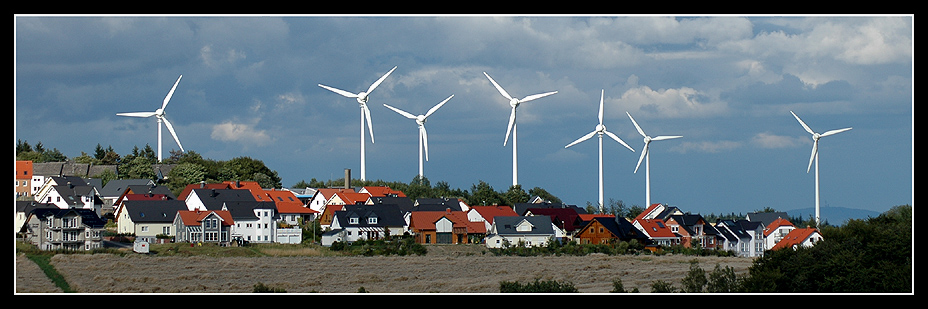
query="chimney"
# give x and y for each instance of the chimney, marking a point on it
(202, 184)
(347, 178)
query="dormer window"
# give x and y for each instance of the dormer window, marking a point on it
(353, 220)
(372, 220)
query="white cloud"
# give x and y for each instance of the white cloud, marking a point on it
(669, 103)
(768, 140)
(705, 146)
(244, 134)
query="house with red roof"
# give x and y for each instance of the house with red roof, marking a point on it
(289, 207)
(775, 231)
(322, 196)
(806, 237)
(203, 226)
(445, 227)
(658, 232)
(382, 191)
(486, 214)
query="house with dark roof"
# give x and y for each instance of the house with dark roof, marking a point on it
(520, 208)
(527, 231)
(24, 209)
(693, 227)
(255, 221)
(357, 222)
(566, 220)
(440, 204)
(64, 229)
(146, 219)
(117, 187)
(605, 230)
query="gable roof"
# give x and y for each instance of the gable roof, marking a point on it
(520, 208)
(765, 217)
(795, 237)
(183, 194)
(352, 198)
(618, 227)
(213, 199)
(194, 217)
(425, 220)
(490, 212)
(778, 222)
(246, 209)
(565, 218)
(404, 203)
(117, 187)
(541, 225)
(387, 215)
(151, 211)
(88, 217)
(383, 191)
(655, 228)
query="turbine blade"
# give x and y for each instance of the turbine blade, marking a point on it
(339, 91)
(377, 83)
(436, 107)
(401, 112)
(636, 125)
(602, 93)
(500, 89)
(137, 114)
(512, 120)
(833, 132)
(425, 141)
(661, 138)
(170, 94)
(804, 126)
(812, 158)
(536, 96)
(582, 138)
(617, 139)
(174, 134)
(370, 125)
(644, 152)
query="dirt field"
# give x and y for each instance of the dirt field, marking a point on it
(445, 269)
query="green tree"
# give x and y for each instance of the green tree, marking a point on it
(543, 194)
(695, 279)
(722, 280)
(515, 195)
(484, 194)
(184, 174)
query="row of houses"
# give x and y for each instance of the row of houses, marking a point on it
(69, 212)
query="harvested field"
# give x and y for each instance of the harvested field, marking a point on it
(445, 269)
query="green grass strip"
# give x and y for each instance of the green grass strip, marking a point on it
(44, 262)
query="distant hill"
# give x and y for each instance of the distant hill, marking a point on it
(834, 215)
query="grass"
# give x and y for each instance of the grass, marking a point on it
(44, 262)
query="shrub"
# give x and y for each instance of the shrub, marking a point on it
(261, 288)
(661, 286)
(549, 286)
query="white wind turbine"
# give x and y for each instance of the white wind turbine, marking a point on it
(423, 136)
(365, 112)
(815, 138)
(159, 115)
(646, 155)
(600, 130)
(514, 103)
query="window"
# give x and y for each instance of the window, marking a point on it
(353, 220)
(372, 220)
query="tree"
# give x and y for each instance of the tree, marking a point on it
(184, 174)
(515, 195)
(483, 194)
(722, 280)
(695, 279)
(539, 192)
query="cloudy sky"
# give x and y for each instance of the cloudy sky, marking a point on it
(726, 83)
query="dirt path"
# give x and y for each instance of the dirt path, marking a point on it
(443, 270)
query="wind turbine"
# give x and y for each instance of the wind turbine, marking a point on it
(815, 138)
(365, 112)
(646, 155)
(159, 115)
(514, 103)
(600, 130)
(423, 136)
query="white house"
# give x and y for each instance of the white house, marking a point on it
(254, 221)
(528, 231)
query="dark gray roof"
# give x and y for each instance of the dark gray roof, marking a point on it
(28, 206)
(387, 215)
(766, 217)
(405, 204)
(621, 228)
(115, 187)
(242, 210)
(214, 198)
(153, 211)
(520, 208)
(507, 225)
(88, 216)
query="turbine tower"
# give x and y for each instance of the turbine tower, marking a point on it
(514, 103)
(646, 155)
(600, 130)
(159, 115)
(815, 138)
(423, 136)
(365, 113)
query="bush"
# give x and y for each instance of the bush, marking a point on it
(661, 286)
(549, 286)
(261, 288)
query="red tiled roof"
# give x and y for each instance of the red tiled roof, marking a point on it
(775, 224)
(490, 212)
(383, 191)
(425, 220)
(795, 237)
(655, 228)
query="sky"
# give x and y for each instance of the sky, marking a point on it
(726, 83)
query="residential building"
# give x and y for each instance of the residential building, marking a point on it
(804, 237)
(486, 214)
(254, 221)
(64, 229)
(776, 231)
(357, 222)
(445, 227)
(23, 179)
(203, 226)
(657, 232)
(24, 209)
(605, 230)
(527, 231)
(147, 219)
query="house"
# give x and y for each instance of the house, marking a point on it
(805, 237)
(404, 203)
(202, 185)
(321, 198)
(692, 227)
(604, 230)
(382, 191)
(357, 222)
(765, 218)
(520, 208)
(213, 199)
(117, 187)
(486, 214)
(742, 237)
(23, 178)
(566, 220)
(24, 209)
(203, 226)
(144, 191)
(289, 207)
(659, 211)
(348, 198)
(527, 231)
(146, 219)
(657, 232)
(70, 192)
(255, 221)
(775, 231)
(64, 229)
(445, 227)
